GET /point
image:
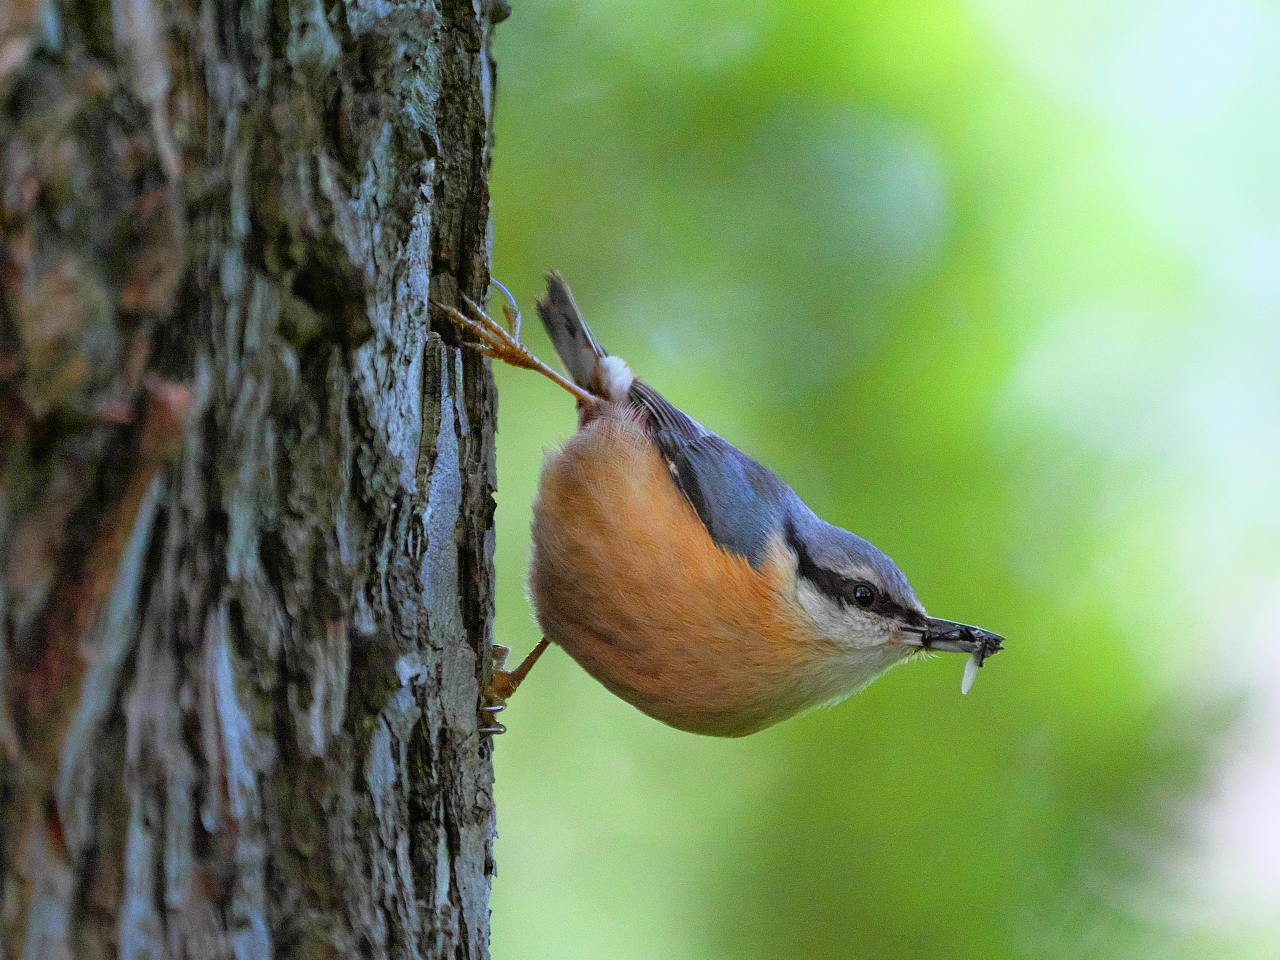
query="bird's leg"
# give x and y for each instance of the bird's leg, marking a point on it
(504, 684)
(502, 344)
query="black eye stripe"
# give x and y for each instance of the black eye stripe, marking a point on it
(852, 593)
(835, 585)
(827, 581)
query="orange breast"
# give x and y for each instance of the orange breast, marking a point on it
(626, 578)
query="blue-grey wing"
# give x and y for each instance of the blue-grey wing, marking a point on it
(742, 503)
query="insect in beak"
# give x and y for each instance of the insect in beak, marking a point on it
(951, 637)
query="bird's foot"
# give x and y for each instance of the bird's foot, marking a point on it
(503, 343)
(504, 684)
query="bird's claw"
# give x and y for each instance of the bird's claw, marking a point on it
(489, 726)
(511, 309)
(495, 695)
(504, 684)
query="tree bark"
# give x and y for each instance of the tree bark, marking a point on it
(245, 528)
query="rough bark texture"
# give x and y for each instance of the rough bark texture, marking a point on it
(245, 533)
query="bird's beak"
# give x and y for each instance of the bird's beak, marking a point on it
(952, 637)
(955, 637)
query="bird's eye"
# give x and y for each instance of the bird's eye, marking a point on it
(863, 595)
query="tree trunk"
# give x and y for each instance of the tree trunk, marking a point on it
(245, 528)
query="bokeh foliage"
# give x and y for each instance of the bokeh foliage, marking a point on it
(893, 249)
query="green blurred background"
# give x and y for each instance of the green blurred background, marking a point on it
(996, 285)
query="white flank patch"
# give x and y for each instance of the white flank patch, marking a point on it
(616, 377)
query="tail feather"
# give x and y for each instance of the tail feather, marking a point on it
(579, 350)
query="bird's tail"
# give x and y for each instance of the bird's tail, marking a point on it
(588, 363)
(579, 350)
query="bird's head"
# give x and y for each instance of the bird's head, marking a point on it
(859, 597)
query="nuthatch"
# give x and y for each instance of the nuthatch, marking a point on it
(686, 577)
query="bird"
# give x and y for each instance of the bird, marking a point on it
(685, 576)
